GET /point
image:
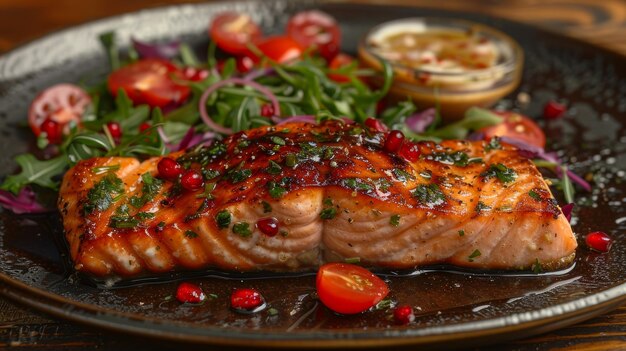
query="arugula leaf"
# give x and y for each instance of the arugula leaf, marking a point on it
(35, 171)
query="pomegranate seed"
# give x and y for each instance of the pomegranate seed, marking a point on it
(268, 226)
(192, 180)
(403, 314)
(169, 168)
(554, 110)
(144, 126)
(52, 130)
(114, 129)
(599, 241)
(376, 124)
(267, 110)
(394, 141)
(244, 64)
(410, 151)
(189, 293)
(246, 300)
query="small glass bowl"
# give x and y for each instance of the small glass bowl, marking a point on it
(454, 90)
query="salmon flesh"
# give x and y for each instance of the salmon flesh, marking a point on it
(335, 194)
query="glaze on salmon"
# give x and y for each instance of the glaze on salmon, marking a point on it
(336, 195)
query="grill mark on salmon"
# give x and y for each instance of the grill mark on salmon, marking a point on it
(449, 207)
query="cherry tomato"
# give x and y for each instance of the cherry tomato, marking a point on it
(280, 49)
(349, 289)
(338, 62)
(516, 126)
(232, 32)
(150, 81)
(316, 29)
(61, 103)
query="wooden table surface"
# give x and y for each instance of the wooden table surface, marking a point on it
(602, 22)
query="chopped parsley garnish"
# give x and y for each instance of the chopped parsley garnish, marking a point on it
(160, 226)
(122, 219)
(242, 229)
(328, 213)
(402, 175)
(278, 140)
(457, 158)
(429, 195)
(474, 254)
(191, 234)
(145, 215)
(149, 190)
(222, 219)
(494, 144)
(276, 191)
(328, 201)
(356, 184)
(267, 208)
(291, 160)
(238, 175)
(500, 171)
(274, 168)
(534, 195)
(480, 206)
(209, 174)
(382, 184)
(103, 194)
(272, 311)
(394, 220)
(461, 232)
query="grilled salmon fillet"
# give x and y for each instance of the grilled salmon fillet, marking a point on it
(330, 192)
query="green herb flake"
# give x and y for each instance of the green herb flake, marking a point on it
(503, 173)
(353, 260)
(291, 160)
(461, 232)
(223, 219)
(328, 213)
(357, 184)
(267, 208)
(402, 175)
(328, 201)
(533, 194)
(103, 194)
(429, 195)
(278, 140)
(238, 175)
(145, 215)
(274, 168)
(481, 206)
(474, 255)
(457, 158)
(537, 268)
(493, 144)
(191, 234)
(242, 229)
(395, 220)
(276, 191)
(272, 311)
(384, 304)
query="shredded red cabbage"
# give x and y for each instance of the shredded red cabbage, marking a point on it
(162, 50)
(420, 121)
(567, 211)
(24, 202)
(532, 151)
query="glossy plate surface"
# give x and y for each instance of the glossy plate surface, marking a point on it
(451, 307)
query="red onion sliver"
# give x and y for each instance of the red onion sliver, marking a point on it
(162, 51)
(420, 121)
(567, 211)
(24, 202)
(202, 103)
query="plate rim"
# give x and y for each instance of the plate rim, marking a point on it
(502, 327)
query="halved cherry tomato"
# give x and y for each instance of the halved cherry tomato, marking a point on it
(279, 48)
(150, 81)
(349, 289)
(61, 103)
(232, 32)
(316, 29)
(516, 126)
(341, 60)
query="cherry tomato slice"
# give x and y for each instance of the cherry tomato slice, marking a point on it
(150, 81)
(341, 60)
(516, 126)
(61, 103)
(349, 289)
(232, 32)
(280, 49)
(316, 29)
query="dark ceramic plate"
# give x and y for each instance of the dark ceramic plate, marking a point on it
(452, 307)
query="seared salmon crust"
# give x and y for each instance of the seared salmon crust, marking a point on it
(336, 195)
